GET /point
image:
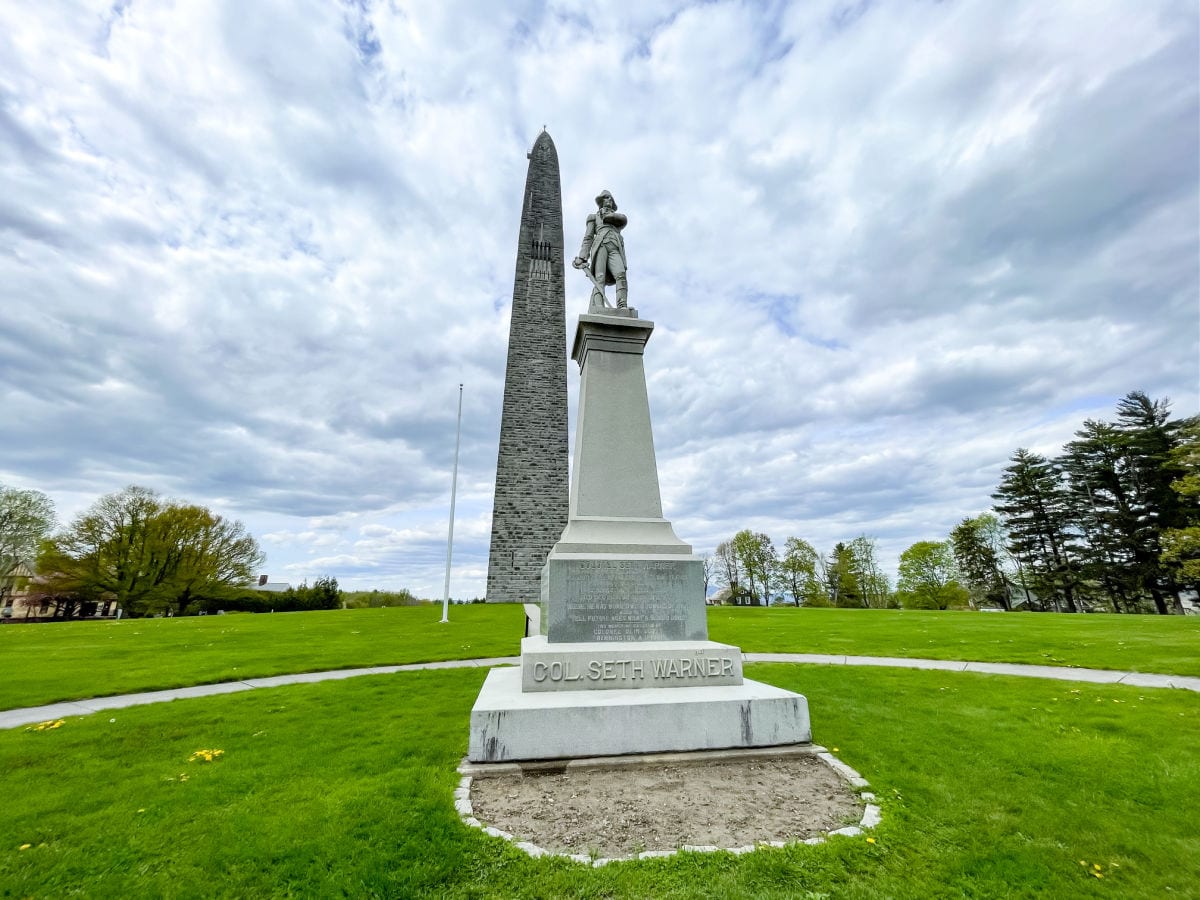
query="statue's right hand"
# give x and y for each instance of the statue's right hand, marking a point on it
(579, 262)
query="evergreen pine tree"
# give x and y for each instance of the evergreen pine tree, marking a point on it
(1037, 512)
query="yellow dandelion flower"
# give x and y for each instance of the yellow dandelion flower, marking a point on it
(870, 840)
(1097, 874)
(1097, 866)
(25, 846)
(205, 755)
(835, 749)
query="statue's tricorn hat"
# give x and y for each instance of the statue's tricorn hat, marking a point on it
(602, 195)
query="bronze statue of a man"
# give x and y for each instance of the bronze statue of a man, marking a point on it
(602, 254)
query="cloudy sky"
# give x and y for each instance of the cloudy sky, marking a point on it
(248, 251)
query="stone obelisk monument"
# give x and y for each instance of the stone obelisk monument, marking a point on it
(622, 663)
(530, 506)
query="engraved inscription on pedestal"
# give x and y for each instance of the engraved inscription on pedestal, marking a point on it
(623, 600)
(608, 666)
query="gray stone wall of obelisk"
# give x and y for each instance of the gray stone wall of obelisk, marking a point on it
(530, 507)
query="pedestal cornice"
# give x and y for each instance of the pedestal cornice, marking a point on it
(614, 334)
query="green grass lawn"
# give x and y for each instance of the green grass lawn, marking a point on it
(73, 660)
(990, 787)
(44, 663)
(1166, 644)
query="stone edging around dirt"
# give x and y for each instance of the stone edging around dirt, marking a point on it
(871, 817)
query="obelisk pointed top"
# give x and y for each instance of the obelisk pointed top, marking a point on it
(543, 141)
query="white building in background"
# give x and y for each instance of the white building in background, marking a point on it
(273, 587)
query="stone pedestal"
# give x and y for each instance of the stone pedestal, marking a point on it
(623, 663)
(619, 572)
(508, 724)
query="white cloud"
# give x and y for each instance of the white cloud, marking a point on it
(247, 253)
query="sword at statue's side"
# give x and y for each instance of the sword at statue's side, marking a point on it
(598, 288)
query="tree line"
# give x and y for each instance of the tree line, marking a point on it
(142, 553)
(377, 599)
(750, 571)
(1113, 523)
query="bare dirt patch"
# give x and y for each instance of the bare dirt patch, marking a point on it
(665, 806)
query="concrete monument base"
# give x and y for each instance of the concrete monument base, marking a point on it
(508, 724)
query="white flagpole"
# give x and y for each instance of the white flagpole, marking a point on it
(453, 492)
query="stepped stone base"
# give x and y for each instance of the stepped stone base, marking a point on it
(508, 724)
